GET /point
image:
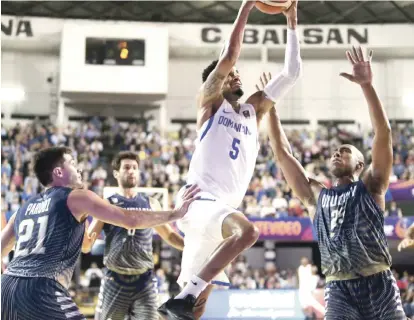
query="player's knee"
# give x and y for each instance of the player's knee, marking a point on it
(250, 234)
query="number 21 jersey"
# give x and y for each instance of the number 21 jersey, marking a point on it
(226, 152)
(48, 238)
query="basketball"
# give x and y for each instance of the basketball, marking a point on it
(273, 7)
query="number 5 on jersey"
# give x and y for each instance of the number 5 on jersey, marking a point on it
(234, 152)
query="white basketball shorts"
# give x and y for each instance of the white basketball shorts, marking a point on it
(202, 228)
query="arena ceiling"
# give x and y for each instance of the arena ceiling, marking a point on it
(310, 12)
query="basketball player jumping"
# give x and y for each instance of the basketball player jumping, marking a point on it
(222, 165)
(348, 217)
(128, 290)
(47, 232)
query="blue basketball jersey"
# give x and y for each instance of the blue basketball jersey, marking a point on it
(48, 238)
(128, 251)
(350, 231)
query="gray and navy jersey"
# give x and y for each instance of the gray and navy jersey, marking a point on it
(350, 229)
(128, 251)
(48, 238)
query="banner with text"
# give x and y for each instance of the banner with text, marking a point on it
(301, 229)
(286, 229)
(47, 32)
(311, 36)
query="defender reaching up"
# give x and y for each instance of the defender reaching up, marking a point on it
(348, 217)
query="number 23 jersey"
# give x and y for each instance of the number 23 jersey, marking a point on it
(225, 155)
(350, 229)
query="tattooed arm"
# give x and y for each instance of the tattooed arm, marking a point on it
(210, 95)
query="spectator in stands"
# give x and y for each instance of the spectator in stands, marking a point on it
(5, 181)
(166, 159)
(5, 167)
(393, 211)
(99, 174)
(162, 283)
(94, 276)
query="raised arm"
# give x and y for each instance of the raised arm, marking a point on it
(8, 238)
(306, 189)
(166, 232)
(210, 95)
(278, 86)
(377, 176)
(84, 202)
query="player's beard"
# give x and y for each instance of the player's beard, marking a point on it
(342, 172)
(129, 183)
(239, 92)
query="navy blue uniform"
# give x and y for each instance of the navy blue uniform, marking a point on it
(48, 244)
(355, 256)
(129, 287)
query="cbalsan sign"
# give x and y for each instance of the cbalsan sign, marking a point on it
(46, 33)
(277, 35)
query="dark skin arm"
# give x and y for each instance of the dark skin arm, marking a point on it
(376, 178)
(306, 189)
(210, 96)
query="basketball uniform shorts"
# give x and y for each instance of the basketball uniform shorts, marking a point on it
(36, 298)
(127, 297)
(369, 298)
(202, 228)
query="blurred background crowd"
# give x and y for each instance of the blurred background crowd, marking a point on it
(165, 160)
(164, 163)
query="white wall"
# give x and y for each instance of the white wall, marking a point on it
(320, 94)
(29, 71)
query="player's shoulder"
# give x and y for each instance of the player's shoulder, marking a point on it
(114, 199)
(56, 194)
(81, 199)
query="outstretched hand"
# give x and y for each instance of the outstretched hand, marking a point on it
(361, 67)
(264, 80)
(248, 4)
(188, 196)
(292, 11)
